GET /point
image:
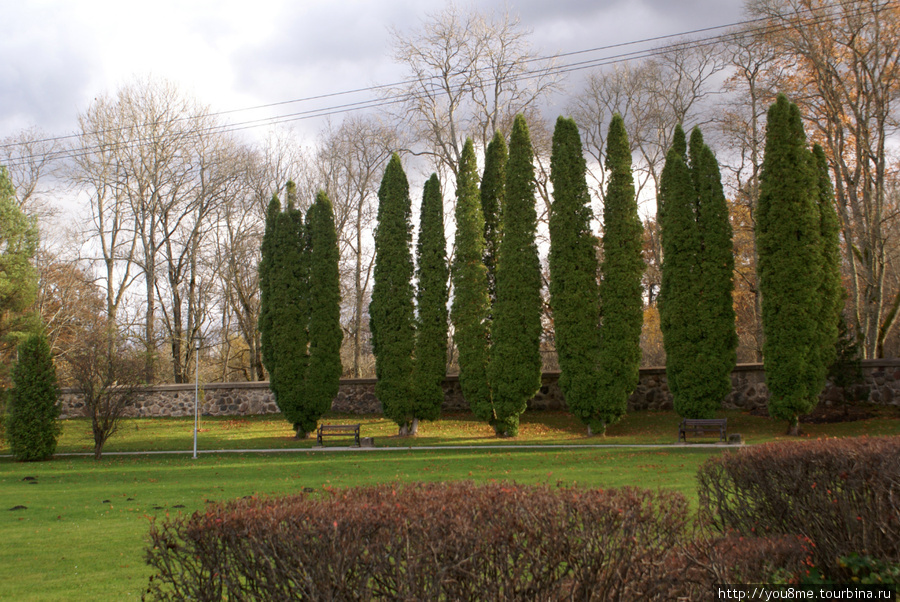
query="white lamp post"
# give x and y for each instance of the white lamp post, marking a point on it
(196, 393)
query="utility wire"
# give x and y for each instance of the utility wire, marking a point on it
(758, 26)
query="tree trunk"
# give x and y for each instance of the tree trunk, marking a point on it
(794, 427)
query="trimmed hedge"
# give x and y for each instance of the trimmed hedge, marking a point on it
(454, 541)
(841, 494)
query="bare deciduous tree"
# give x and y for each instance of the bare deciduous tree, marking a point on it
(31, 156)
(351, 160)
(107, 381)
(470, 73)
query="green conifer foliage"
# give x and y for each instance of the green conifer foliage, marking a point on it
(33, 426)
(832, 289)
(681, 279)
(515, 368)
(719, 351)
(284, 317)
(621, 303)
(471, 304)
(18, 276)
(696, 307)
(325, 335)
(391, 309)
(574, 294)
(432, 295)
(268, 251)
(493, 185)
(789, 241)
(292, 320)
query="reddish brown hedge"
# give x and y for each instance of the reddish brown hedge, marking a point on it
(842, 494)
(456, 541)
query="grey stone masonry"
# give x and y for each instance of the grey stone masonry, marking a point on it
(357, 396)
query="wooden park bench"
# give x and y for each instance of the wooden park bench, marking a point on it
(338, 430)
(699, 426)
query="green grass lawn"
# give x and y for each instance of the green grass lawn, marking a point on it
(83, 532)
(537, 428)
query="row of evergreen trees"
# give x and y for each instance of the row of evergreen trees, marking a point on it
(597, 305)
(497, 308)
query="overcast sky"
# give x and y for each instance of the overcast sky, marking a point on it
(232, 54)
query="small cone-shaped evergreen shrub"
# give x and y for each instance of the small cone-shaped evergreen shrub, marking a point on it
(32, 427)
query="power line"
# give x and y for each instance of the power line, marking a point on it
(753, 26)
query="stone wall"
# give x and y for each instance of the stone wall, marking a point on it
(357, 396)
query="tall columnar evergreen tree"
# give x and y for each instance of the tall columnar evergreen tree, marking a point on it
(832, 289)
(574, 293)
(493, 186)
(432, 295)
(268, 250)
(716, 273)
(515, 368)
(681, 280)
(391, 310)
(33, 423)
(284, 319)
(325, 335)
(791, 258)
(696, 307)
(621, 303)
(471, 305)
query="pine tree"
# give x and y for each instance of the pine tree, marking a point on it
(493, 185)
(471, 304)
(696, 308)
(515, 368)
(789, 241)
(323, 375)
(391, 309)
(33, 423)
(621, 303)
(574, 293)
(432, 295)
